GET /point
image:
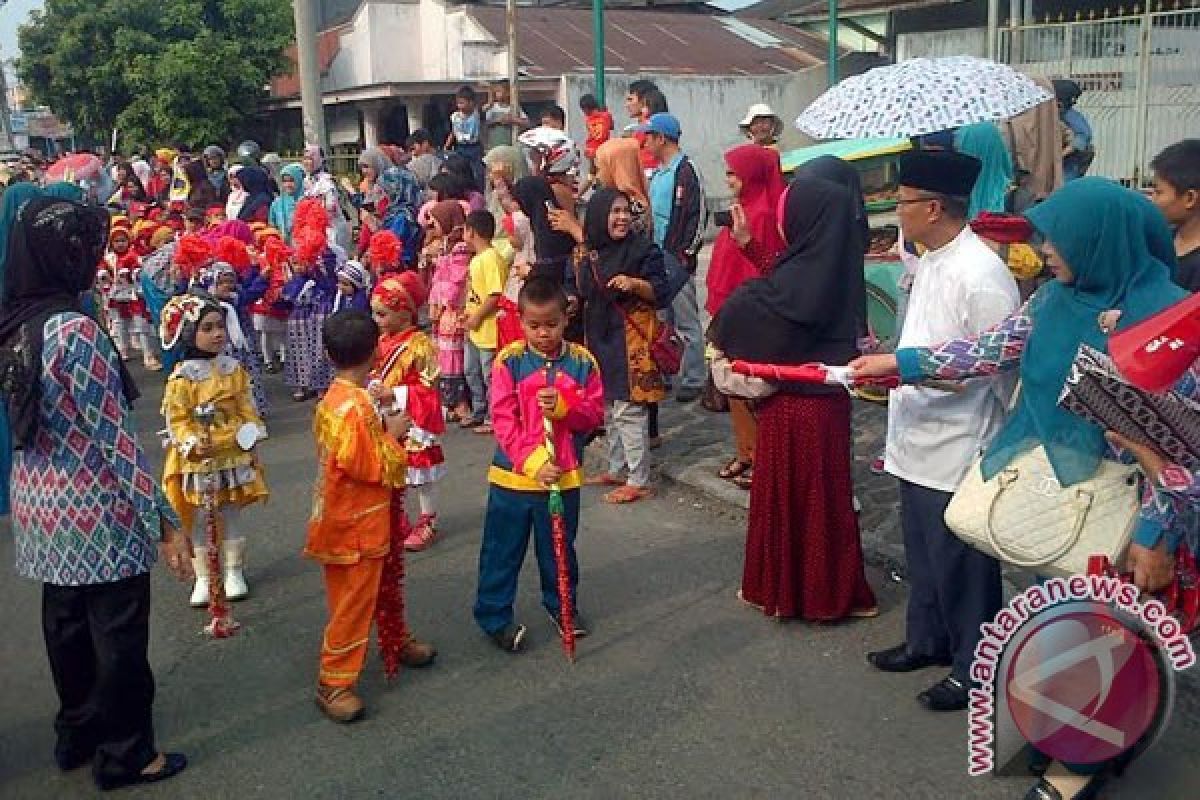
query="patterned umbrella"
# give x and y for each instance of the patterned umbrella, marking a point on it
(920, 96)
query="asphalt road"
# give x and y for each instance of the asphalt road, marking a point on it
(680, 692)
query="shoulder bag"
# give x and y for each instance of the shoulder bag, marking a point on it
(666, 348)
(1023, 516)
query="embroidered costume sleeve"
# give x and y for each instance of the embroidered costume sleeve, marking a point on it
(997, 349)
(1171, 506)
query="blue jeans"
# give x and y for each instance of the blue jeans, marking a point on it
(510, 517)
(684, 314)
(478, 366)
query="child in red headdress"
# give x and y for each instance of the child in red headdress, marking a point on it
(269, 314)
(129, 321)
(310, 291)
(406, 379)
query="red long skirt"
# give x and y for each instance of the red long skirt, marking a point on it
(803, 553)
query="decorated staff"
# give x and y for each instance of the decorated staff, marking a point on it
(558, 535)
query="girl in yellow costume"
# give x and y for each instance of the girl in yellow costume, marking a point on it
(205, 377)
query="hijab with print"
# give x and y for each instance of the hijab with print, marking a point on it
(52, 256)
(257, 184)
(403, 195)
(762, 185)
(532, 193)
(1120, 250)
(983, 141)
(810, 307)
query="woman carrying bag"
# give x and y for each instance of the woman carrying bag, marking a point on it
(1110, 251)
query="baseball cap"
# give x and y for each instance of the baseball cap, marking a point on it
(662, 124)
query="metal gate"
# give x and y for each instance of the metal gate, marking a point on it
(1140, 74)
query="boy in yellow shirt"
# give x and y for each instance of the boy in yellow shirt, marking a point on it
(485, 286)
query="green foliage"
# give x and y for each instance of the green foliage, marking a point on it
(157, 70)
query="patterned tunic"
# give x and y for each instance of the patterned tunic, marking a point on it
(1168, 510)
(86, 508)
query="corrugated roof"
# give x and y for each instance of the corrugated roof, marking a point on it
(819, 9)
(554, 41)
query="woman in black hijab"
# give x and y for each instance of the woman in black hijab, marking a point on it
(88, 516)
(622, 281)
(803, 554)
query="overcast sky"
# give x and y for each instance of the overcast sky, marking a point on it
(12, 14)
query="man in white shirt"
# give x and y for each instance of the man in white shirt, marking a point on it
(960, 289)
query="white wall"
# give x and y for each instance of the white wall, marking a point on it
(935, 44)
(709, 109)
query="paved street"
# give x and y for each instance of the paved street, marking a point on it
(681, 691)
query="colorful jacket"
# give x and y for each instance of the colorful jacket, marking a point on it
(518, 374)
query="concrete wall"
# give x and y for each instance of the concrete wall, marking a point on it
(709, 109)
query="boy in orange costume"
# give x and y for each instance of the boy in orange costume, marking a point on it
(361, 462)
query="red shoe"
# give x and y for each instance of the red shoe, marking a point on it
(423, 534)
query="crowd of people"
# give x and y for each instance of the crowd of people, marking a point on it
(525, 288)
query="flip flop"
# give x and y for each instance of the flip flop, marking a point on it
(623, 495)
(734, 468)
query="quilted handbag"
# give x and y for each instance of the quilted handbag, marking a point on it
(1023, 516)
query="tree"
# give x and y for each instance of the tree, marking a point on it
(157, 70)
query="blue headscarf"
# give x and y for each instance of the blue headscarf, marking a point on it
(983, 141)
(403, 194)
(1120, 250)
(283, 210)
(14, 197)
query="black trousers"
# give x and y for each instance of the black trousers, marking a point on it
(97, 638)
(953, 588)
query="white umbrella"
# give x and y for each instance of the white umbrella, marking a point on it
(919, 96)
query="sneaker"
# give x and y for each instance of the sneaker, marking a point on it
(510, 638)
(339, 703)
(581, 629)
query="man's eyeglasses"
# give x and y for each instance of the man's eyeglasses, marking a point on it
(924, 199)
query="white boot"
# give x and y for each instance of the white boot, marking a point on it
(200, 588)
(235, 579)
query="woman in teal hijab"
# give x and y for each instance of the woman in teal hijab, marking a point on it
(15, 196)
(283, 209)
(983, 141)
(64, 191)
(1110, 250)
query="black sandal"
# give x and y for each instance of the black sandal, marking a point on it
(734, 469)
(173, 764)
(1045, 790)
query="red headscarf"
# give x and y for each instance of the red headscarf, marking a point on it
(759, 170)
(401, 291)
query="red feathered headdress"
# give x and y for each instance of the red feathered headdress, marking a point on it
(384, 251)
(1002, 228)
(192, 253)
(310, 245)
(401, 291)
(233, 253)
(310, 216)
(276, 253)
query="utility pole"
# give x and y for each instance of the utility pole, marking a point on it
(514, 97)
(305, 13)
(5, 111)
(598, 58)
(832, 66)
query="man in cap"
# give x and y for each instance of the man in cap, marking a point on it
(677, 203)
(761, 125)
(961, 288)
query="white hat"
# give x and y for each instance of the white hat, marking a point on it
(762, 110)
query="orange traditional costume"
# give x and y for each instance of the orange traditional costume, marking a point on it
(349, 532)
(407, 365)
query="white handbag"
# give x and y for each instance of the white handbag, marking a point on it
(1023, 516)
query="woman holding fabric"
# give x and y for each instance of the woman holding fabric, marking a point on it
(69, 401)
(1110, 251)
(803, 554)
(621, 279)
(746, 250)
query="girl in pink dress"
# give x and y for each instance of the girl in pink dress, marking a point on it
(447, 301)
